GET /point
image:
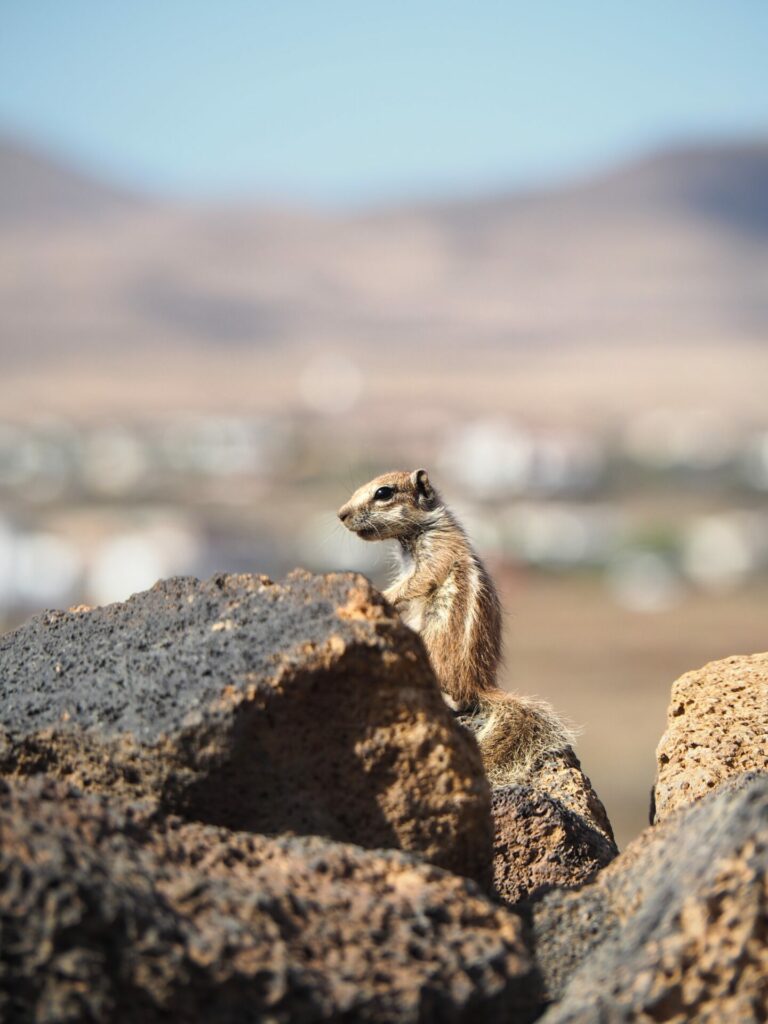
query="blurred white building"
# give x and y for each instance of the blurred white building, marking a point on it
(680, 439)
(494, 459)
(560, 536)
(719, 552)
(754, 462)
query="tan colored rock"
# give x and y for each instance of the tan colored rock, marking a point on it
(539, 845)
(118, 914)
(550, 830)
(305, 707)
(717, 728)
(561, 776)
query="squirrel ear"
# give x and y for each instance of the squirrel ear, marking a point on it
(420, 481)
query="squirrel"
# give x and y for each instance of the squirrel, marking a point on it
(444, 592)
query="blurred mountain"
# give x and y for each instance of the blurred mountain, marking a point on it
(36, 189)
(667, 253)
(727, 183)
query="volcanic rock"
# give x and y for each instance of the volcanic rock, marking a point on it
(550, 827)
(560, 775)
(540, 844)
(120, 914)
(717, 728)
(675, 929)
(305, 707)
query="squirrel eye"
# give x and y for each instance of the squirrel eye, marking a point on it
(383, 494)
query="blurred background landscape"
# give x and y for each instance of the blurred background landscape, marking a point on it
(196, 371)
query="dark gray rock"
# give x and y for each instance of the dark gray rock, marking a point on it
(142, 666)
(124, 916)
(305, 707)
(675, 929)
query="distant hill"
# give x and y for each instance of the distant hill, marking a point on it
(665, 254)
(726, 182)
(36, 188)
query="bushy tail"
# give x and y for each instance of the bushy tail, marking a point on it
(515, 732)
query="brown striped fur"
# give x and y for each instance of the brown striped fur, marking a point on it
(445, 593)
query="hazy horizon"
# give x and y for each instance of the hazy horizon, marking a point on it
(503, 188)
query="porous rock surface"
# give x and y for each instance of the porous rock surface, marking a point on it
(717, 728)
(675, 929)
(557, 773)
(121, 914)
(305, 707)
(560, 775)
(550, 827)
(540, 844)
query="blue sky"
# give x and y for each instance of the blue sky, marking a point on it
(357, 101)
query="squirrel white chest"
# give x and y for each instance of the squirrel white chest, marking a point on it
(412, 614)
(427, 613)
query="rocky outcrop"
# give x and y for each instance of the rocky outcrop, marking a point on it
(561, 776)
(550, 830)
(675, 929)
(539, 844)
(305, 707)
(228, 740)
(717, 728)
(122, 914)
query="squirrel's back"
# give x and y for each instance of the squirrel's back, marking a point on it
(462, 631)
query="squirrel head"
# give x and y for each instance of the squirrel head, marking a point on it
(394, 505)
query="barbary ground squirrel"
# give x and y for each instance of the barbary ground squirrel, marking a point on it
(444, 592)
